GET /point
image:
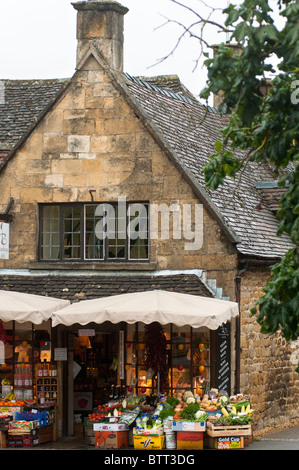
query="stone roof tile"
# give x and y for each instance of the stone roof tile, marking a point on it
(75, 288)
(24, 101)
(191, 130)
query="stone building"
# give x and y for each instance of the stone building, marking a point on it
(103, 136)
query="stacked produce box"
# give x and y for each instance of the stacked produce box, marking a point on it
(185, 422)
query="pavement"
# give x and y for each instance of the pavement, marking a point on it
(287, 439)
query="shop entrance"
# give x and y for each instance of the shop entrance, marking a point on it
(92, 372)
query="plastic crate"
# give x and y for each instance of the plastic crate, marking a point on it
(40, 416)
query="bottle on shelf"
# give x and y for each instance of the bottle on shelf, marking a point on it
(111, 394)
(39, 370)
(27, 376)
(42, 396)
(45, 369)
(16, 377)
(52, 370)
(21, 376)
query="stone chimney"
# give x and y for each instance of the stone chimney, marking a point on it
(101, 23)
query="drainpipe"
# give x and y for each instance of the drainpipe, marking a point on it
(238, 328)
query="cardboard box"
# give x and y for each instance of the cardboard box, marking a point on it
(149, 442)
(22, 438)
(189, 426)
(158, 431)
(111, 439)
(190, 440)
(110, 427)
(229, 442)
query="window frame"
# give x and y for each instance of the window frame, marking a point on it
(83, 258)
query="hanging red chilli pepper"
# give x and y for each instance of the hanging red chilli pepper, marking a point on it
(156, 351)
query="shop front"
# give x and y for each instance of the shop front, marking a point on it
(110, 362)
(181, 342)
(69, 371)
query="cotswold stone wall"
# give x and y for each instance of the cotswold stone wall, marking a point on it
(268, 363)
(92, 140)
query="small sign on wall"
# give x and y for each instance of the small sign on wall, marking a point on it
(60, 354)
(4, 240)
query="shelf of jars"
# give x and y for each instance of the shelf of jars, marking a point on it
(46, 383)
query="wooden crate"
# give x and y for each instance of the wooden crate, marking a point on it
(3, 439)
(45, 434)
(78, 429)
(222, 431)
(89, 435)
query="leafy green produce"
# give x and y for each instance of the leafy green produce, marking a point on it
(172, 401)
(188, 413)
(167, 411)
(233, 420)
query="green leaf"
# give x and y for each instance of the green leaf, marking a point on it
(218, 145)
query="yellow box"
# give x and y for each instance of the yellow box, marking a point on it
(149, 442)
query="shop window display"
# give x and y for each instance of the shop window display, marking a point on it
(26, 360)
(188, 360)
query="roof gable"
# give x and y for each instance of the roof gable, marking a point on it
(185, 130)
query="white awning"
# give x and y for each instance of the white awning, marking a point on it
(150, 306)
(28, 307)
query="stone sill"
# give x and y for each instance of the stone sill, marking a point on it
(77, 266)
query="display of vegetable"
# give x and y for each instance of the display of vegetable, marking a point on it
(193, 413)
(231, 420)
(135, 399)
(166, 412)
(240, 404)
(224, 400)
(172, 401)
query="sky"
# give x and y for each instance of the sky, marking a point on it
(38, 39)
